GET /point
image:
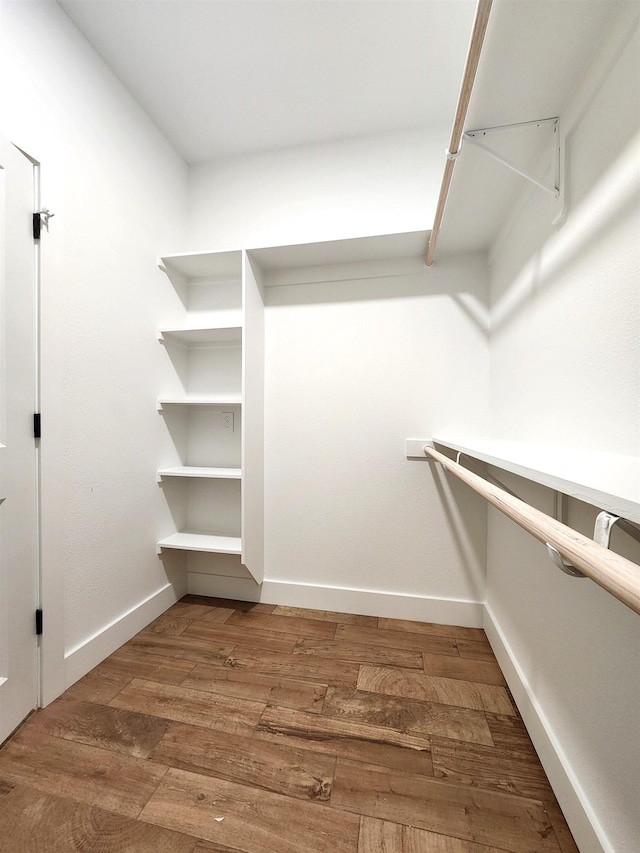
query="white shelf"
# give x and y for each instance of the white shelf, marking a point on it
(343, 260)
(202, 335)
(203, 266)
(214, 402)
(202, 542)
(204, 473)
(608, 481)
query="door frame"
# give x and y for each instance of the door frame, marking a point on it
(49, 549)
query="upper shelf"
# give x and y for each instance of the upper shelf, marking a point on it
(605, 480)
(194, 267)
(338, 260)
(306, 263)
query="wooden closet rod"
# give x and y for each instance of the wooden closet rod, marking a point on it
(473, 56)
(616, 574)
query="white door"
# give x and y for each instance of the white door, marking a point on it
(18, 512)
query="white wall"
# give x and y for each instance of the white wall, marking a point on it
(371, 185)
(118, 192)
(353, 369)
(565, 371)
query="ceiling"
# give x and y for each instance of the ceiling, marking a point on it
(223, 78)
(229, 77)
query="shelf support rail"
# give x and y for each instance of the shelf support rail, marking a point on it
(614, 573)
(473, 57)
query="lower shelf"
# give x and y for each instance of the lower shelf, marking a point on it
(202, 542)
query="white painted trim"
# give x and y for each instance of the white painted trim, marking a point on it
(366, 602)
(582, 819)
(92, 651)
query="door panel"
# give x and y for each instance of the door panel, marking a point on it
(18, 514)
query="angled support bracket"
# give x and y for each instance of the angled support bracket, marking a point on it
(554, 188)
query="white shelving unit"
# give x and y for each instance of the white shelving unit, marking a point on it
(215, 343)
(213, 409)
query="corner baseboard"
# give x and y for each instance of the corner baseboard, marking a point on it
(365, 602)
(92, 651)
(582, 820)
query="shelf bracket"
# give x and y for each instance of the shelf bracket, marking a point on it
(601, 535)
(560, 510)
(554, 187)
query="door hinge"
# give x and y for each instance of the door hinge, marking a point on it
(37, 425)
(38, 622)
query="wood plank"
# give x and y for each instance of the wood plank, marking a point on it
(284, 624)
(115, 729)
(157, 667)
(562, 831)
(34, 822)
(99, 685)
(484, 672)
(367, 744)
(231, 635)
(432, 628)
(513, 823)
(491, 768)
(475, 649)
(338, 650)
(509, 732)
(118, 783)
(294, 772)
(392, 681)
(408, 715)
(210, 710)
(168, 623)
(382, 836)
(273, 690)
(186, 648)
(252, 819)
(293, 666)
(327, 616)
(188, 609)
(229, 604)
(109, 677)
(413, 642)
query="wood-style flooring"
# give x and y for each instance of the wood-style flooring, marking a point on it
(240, 728)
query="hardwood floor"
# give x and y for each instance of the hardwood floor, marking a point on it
(240, 728)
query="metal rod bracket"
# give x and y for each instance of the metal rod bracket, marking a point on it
(603, 527)
(567, 568)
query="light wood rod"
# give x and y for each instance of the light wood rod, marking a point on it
(616, 574)
(473, 57)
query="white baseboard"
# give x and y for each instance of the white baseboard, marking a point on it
(582, 820)
(469, 614)
(92, 651)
